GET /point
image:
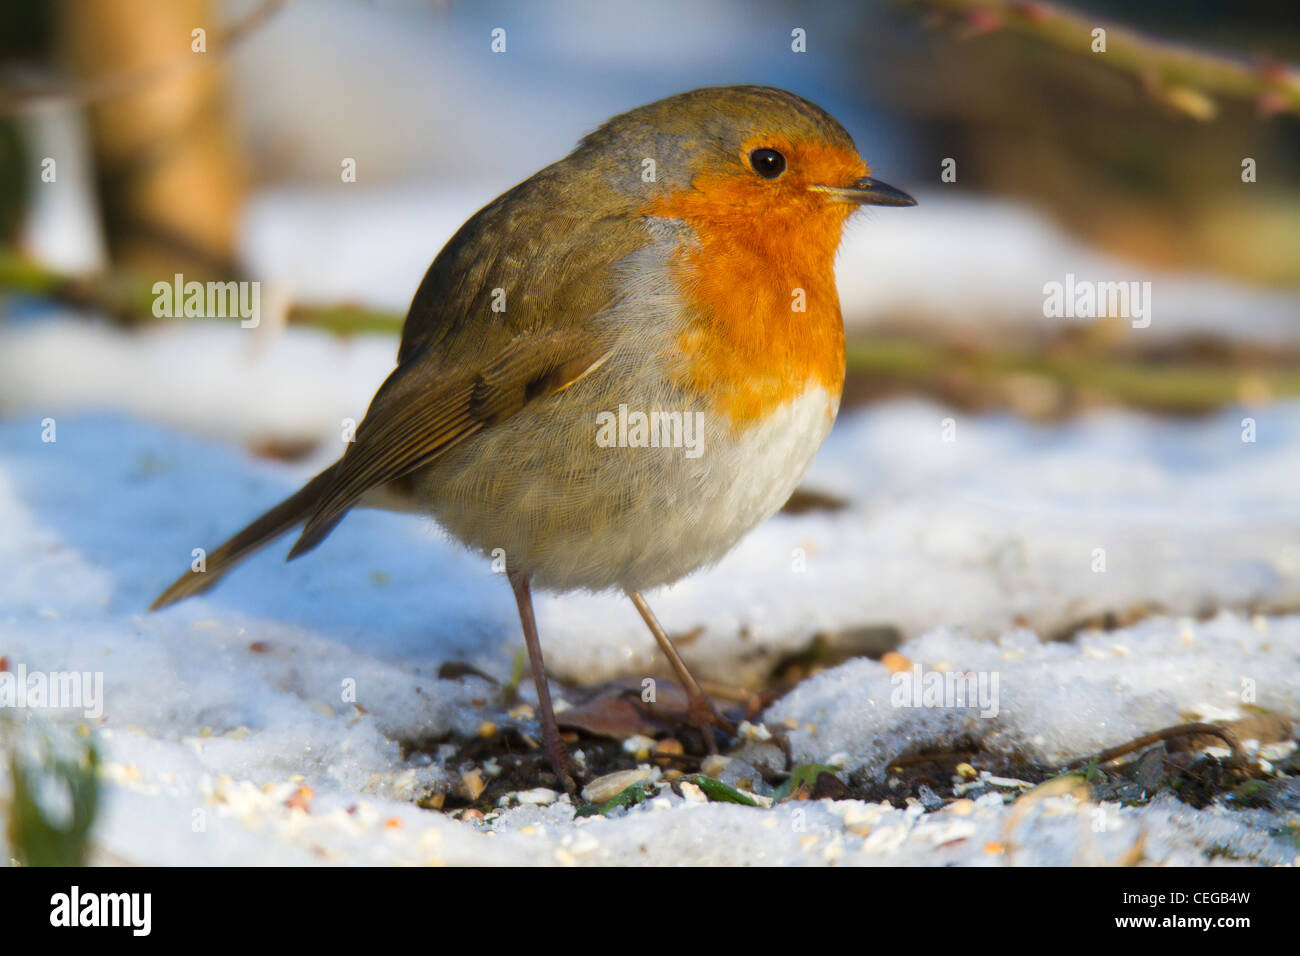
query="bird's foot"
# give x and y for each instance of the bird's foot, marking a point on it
(702, 715)
(557, 755)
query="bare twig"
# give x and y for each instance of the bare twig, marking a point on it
(1177, 75)
(1168, 733)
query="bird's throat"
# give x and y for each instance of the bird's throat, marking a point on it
(763, 315)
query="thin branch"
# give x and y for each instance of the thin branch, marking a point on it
(1177, 75)
(1178, 382)
(1168, 733)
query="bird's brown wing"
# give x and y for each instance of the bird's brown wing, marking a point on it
(503, 316)
(534, 258)
(508, 312)
(418, 414)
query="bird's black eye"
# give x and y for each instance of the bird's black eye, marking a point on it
(768, 163)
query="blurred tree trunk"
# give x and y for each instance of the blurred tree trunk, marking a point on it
(171, 177)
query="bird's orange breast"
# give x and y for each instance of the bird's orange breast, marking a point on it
(764, 319)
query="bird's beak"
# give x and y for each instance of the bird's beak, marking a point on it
(868, 192)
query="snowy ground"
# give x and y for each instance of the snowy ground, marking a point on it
(231, 704)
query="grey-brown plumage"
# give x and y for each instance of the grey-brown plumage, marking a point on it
(593, 288)
(463, 367)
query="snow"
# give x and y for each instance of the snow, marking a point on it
(228, 704)
(1054, 702)
(1004, 522)
(229, 729)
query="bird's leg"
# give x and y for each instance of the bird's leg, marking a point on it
(553, 746)
(701, 712)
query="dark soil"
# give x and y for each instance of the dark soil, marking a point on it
(605, 715)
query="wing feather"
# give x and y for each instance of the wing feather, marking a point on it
(411, 422)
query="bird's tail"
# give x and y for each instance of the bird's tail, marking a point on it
(285, 516)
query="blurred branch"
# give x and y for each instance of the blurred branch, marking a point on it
(1178, 76)
(1049, 382)
(97, 88)
(128, 299)
(1059, 381)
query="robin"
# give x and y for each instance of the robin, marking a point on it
(615, 370)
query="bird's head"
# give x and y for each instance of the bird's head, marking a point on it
(741, 160)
